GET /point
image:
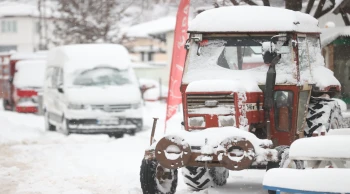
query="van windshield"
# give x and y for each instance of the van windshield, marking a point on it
(103, 76)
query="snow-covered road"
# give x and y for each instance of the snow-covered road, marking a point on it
(33, 161)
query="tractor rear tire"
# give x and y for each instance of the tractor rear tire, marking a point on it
(323, 112)
(150, 184)
(199, 178)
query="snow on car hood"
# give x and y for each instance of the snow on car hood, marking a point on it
(126, 94)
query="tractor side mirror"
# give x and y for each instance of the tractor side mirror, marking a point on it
(269, 52)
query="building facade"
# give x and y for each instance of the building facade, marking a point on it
(20, 27)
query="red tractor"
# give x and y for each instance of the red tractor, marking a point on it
(254, 81)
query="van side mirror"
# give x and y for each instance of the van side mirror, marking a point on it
(60, 89)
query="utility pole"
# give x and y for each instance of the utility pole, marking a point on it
(40, 25)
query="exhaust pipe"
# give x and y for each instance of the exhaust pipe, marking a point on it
(269, 91)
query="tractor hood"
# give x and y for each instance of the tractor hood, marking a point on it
(223, 86)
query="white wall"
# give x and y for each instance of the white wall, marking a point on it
(26, 38)
(337, 19)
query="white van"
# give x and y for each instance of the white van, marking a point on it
(91, 88)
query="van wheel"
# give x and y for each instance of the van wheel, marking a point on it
(6, 104)
(48, 125)
(139, 125)
(116, 135)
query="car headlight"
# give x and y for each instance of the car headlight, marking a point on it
(136, 106)
(76, 106)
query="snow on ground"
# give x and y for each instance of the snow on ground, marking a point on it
(35, 161)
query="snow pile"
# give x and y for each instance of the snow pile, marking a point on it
(256, 19)
(223, 86)
(331, 180)
(152, 27)
(87, 56)
(12, 130)
(329, 147)
(328, 35)
(156, 93)
(30, 73)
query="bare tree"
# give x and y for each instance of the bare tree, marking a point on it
(89, 21)
(317, 8)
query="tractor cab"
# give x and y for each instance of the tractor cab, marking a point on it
(257, 76)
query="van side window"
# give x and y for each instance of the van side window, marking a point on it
(49, 76)
(59, 76)
(52, 77)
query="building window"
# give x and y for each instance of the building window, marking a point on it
(9, 26)
(7, 48)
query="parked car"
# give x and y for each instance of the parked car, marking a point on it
(28, 82)
(91, 89)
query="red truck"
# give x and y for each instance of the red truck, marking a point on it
(18, 91)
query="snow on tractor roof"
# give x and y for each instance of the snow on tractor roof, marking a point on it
(30, 73)
(253, 19)
(86, 56)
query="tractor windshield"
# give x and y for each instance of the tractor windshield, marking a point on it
(235, 53)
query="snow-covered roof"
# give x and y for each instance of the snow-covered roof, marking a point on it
(253, 19)
(85, 56)
(328, 35)
(30, 73)
(18, 9)
(143, 30)
(26, 55)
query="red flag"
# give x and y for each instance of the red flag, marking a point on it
(178, 59)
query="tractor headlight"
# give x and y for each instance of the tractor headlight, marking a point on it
(76, 106)
(196, 122)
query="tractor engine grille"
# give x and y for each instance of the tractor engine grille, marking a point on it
(196, 102)
(111, 107)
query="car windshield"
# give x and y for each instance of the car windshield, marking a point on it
(236, 53)
(103, 76)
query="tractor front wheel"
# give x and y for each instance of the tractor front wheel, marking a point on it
(199, 178)
(157, 180)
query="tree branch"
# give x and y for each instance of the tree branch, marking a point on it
(250, 2)
(234, 2)
(345, 17)
(266, 2)
(310, 4)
